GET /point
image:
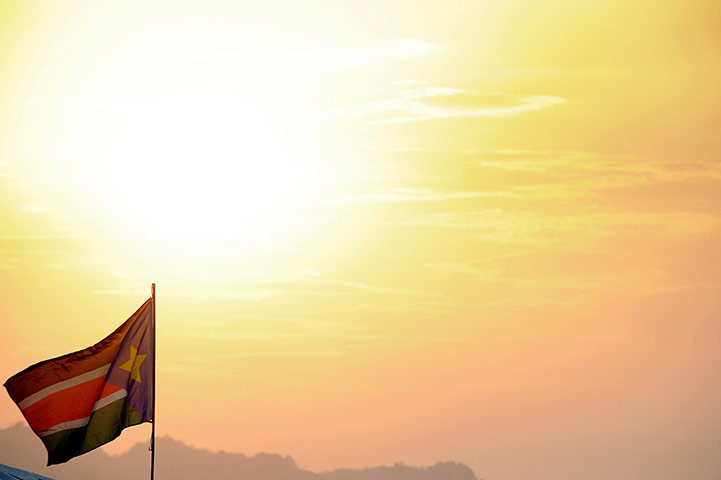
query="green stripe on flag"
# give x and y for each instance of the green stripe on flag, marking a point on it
(105, 425)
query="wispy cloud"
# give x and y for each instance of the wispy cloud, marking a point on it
(332, 57)
(434, 103)
(339, 57)
(493, 224)
(565, 277)
(400, 195)
(360, 287)
(38, 237)
(10, 263)
(508, 225)
(33, 209)
(288, 290)
(544, 174)
(594, 169)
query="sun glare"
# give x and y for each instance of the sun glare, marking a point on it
(198, 165)
(218, 175)
(189, 140)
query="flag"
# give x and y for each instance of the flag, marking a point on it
(82, 400)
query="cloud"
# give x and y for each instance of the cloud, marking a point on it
(262, 289)
(331, 57)
(565, 277)
(597, 170)
(435, 103)
(10, 263)
(546, 174)
(344, 57)
(33, 209)
(491, 225)
(38, 237)
(406, 48)
(510, 225)
(409, 83)
(417, 195)
(430, 195)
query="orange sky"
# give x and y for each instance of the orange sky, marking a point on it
(476, 231)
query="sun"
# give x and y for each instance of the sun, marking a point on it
(211, 172)
(190, 142)
(207, 167)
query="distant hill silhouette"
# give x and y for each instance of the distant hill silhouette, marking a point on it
(20, 448)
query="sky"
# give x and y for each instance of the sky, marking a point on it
(381, 231)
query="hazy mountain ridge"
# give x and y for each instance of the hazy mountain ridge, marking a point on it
(177, 461)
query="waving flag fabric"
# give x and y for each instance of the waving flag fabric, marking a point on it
(82, 400)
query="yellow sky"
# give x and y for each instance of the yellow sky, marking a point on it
(481, 231)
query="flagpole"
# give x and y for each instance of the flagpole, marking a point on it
(152, 386)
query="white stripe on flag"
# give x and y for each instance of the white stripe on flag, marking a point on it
(110, 399)
(81, 422)
(70, 382)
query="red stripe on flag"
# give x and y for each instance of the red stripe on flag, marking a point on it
(109, 389)
(66, 405)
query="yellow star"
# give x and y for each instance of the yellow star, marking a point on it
(133, 365)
